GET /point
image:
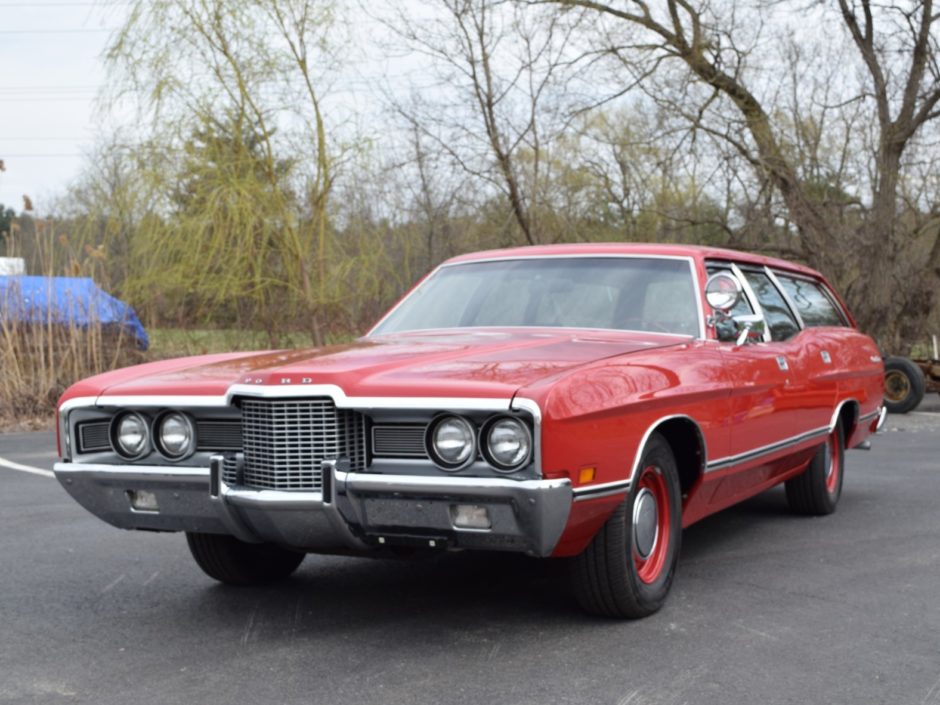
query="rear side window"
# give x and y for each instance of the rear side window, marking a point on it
(780, 321)
(814, 307)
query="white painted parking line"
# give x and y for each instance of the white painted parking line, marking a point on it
(4, 463)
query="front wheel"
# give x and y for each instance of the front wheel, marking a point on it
(628, 568)
(817, 489)
(235, 562)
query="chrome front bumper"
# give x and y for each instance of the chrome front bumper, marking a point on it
(354, 512)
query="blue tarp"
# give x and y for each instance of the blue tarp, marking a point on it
(68, 300)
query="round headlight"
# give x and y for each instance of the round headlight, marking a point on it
(131, 435)
(508, 443)
(175, 435)
(451, 442)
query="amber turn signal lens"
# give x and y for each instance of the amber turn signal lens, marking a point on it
(587, 475)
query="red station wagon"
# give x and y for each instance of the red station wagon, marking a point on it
(572, 401)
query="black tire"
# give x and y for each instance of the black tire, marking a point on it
(817, 489)
(904, 385)
(610, 577)
(235, 562)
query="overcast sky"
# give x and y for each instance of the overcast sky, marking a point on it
(50, 72)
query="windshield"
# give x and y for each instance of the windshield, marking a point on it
(622, 293)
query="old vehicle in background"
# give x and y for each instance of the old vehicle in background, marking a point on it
(907, 380)
(571, 401)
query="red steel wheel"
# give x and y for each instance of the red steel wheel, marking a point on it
(651, 524)
(833, 461)
(628, 568)
(817, 489)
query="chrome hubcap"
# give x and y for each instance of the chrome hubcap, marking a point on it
(827, 459)
(645, 523)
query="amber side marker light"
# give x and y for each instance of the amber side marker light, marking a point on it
(587, 475)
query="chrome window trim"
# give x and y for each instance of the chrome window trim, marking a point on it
(685, 336)
(752, 298)
(749, 295)
(510, 258)
(762, 269)
(786, 297)
(830, 295)
(823, 289)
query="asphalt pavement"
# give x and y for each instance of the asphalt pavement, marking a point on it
(767, 608)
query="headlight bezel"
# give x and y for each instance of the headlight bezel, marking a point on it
(146, 445)
(157, 435)
(486, 431)
(431, 447)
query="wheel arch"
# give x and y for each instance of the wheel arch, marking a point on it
(847, 411)
(687, 442)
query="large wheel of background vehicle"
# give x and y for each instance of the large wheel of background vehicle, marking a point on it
(817, 489)
(904, 385)
(628, 568)
(235, 562)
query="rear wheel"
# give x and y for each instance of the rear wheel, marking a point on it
(235, 562)
(904, 385)
(627, 569)
(817, 489)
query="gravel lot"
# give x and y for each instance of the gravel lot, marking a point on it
(767, 608)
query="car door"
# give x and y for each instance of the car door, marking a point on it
(774, 408)
(833, 350)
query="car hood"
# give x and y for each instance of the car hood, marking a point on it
(486, 364)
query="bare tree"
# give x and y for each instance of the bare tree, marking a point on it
(897, 45)
(514, 71)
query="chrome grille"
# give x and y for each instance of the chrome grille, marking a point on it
(219, 435)
(286, 440)
(400, 440)
(229, 469)
(94, 436)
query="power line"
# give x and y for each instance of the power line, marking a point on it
(44, 89)
(28, 99)
(103, 5)
(46, 139)
(58, 31)
(41, 156)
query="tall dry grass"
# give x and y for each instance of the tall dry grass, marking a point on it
(39, 360)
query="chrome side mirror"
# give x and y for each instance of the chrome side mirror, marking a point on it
(752, 324)
(723, 291)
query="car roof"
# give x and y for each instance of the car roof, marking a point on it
(602, 249)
